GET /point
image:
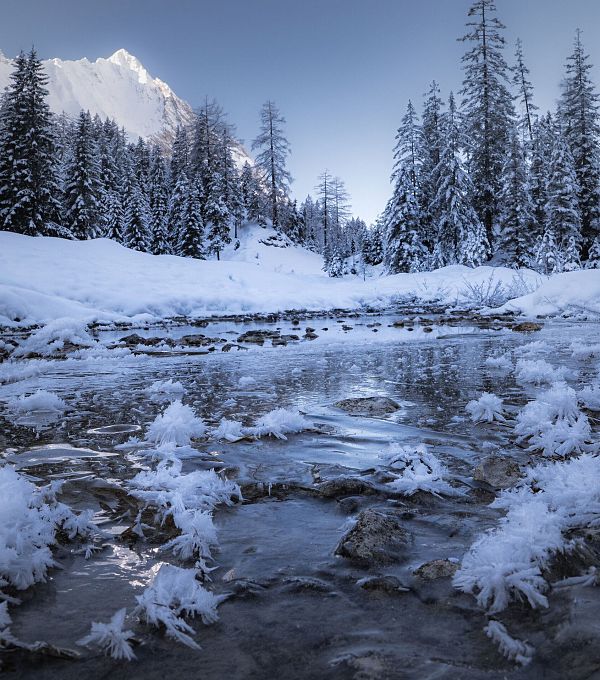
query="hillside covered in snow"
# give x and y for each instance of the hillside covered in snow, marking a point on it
(45, 278)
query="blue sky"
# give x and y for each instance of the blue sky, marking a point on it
(340, 70)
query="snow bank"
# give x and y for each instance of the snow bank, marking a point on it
(571, 293)
(43, 279)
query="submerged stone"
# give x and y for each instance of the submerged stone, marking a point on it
(497, 471)
(368, 406)
(376, 538)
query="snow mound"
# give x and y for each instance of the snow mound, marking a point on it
(176, 425)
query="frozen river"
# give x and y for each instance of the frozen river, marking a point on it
(295, 608)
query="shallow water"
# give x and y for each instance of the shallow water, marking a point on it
(295, 609)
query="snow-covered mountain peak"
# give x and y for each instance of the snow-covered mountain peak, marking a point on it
(125, 59)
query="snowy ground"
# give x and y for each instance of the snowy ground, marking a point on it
(42, 279)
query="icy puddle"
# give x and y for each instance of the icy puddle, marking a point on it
(365, 482)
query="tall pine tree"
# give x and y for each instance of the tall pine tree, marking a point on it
(271, 161)
(28, 183)
(488, 109)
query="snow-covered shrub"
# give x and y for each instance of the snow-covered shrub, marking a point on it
(111, 637)
(53, 336)
(176, 425)
(40, 401)
(512, 649)
(278, 423)
(506, 563)
(485, 293)
(487, 408)
(165, 389)
(30, 516)
(554, 424)
(175, 593)
(539, 372)
(417, 470)
(589, 397)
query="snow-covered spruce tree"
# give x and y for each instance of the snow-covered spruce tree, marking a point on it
(250, 192)
(517, 211)
(334, 264)
(180, 157)
(579, 118)
(460, 237)
(141, 163)
(488, 109)
(83, 190)
(524, 89)
(230, 177)
(216, 216)
(159, 205)
(28, 182)
(404, 247)
(136, 218)
(372, 247)
(271, 160)
(547, 258)
(293, 226)
(176, 209)
(539, 173)
(355, 233)
(209, 124)
(430, 152)
(562, 209)
(310, 212)
(191, 233)
(113, 216)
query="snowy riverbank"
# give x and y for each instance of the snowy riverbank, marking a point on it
(42, 279)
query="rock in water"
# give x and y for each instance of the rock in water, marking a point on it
(430, 571)
(376, 538)
(368, 406)
(498, 471)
